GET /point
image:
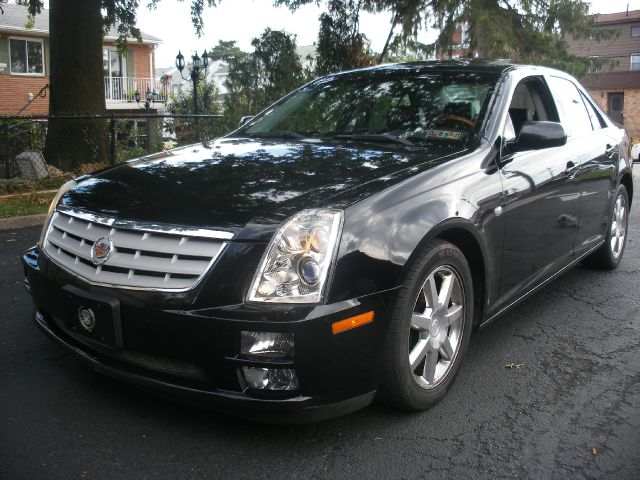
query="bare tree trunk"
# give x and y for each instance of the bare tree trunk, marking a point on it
(480, 43)
(479, 10)
(386, 44)
(77, 84)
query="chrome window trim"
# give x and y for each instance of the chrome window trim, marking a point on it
(139, 226)
(148, 227)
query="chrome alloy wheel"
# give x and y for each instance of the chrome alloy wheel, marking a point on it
(436, 327)
(618, 226)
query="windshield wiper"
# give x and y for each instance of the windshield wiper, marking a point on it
(277, 134)
(374, 137)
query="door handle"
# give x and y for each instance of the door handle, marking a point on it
(610, 150)
(571, 169)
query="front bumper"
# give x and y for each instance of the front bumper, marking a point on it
(192, 354)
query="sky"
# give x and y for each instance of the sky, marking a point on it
(242, 20)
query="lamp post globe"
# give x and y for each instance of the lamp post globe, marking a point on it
(180, 61)
(196, 62)
(205, 60)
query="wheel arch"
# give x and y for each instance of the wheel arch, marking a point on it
(627, 181)
(463, 234)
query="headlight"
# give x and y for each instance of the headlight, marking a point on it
(52, 208)
(295, 266)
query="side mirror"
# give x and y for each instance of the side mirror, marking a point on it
(245, 119)
(539, 135)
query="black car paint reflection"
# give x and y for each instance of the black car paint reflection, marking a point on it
(237, 181)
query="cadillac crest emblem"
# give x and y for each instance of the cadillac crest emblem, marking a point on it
(101, 250)
(87, 318)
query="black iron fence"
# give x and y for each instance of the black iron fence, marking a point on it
(121, 137)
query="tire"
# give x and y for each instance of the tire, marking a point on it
(428, 337)
(608, 256)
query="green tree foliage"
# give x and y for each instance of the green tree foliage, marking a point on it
(526, 31)
(521, 30)
(187, 130)
(340, 44)
(225, 50)
(258, 79)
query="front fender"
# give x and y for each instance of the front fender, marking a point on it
(382, 233)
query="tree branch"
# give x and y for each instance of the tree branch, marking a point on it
(386, 44)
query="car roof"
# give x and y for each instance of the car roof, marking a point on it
(495, 67)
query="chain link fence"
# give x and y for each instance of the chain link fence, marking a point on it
(121, 137)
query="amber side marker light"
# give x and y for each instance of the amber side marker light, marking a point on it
(353, 322)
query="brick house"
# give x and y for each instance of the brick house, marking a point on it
(24, 66)
(617, 91)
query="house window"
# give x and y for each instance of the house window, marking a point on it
(635, 61)
(595, 64)
(635, 31)
(27, 57)
(116, 85)
(113, 63)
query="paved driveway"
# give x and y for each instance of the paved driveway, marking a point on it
(572, 410)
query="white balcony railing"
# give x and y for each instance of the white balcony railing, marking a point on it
(123, 89)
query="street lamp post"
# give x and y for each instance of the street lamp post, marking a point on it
(149, 98)
(197, 64)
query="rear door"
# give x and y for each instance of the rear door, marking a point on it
(599, 156)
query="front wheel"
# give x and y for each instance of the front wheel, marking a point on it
(608, 256)
(430, 329)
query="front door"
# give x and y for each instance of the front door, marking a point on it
(615, 107)
(541, 199)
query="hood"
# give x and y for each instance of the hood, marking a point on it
(233, 182)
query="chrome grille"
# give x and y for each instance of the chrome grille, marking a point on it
(144, 257)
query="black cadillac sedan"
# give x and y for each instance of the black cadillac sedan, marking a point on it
(339, 247)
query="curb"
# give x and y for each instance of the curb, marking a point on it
(22, 222)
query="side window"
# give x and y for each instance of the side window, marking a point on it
(522, 108)
(530, 103)
(597, 122)
(575, 118)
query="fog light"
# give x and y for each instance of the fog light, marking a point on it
(276, 379)
(267, 344)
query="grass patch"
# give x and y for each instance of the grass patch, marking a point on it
(15, 185)
(25, 204)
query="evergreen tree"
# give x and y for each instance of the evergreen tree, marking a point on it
(258, 79)
(225, 50)
(340, 44)
(187, 130)
(525, 31)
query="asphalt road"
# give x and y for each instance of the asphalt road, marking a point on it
(572, 410)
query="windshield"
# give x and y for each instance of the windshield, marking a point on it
(404, 109)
